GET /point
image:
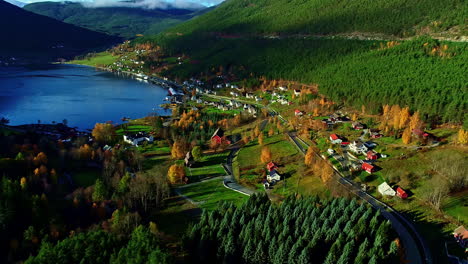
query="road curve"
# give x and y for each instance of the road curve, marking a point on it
(417, 252)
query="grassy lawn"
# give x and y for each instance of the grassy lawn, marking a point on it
(86, 177)
(233, 112)
(196, 174)
(154, 149)
(457, 206)
(133, 129)
(210, 193)
(178, 214)
(149, 163)
(213, 159)
(249, 155)
(104, 58)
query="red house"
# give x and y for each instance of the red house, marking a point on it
(297, 112)
(371, 155)
(368, 167)
(271, 166)
(401, 193)
(219, 137)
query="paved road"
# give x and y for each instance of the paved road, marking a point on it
(229, 180)
(417, 251)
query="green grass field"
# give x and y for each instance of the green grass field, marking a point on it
(176, 216)
(133, 129)
(457, 206)
(101, 59)
(196, 174)
(210, 193)
(249, 155)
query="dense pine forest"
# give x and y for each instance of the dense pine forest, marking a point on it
(306, 230)
(400, 17)
(102, 247)
(427, 75)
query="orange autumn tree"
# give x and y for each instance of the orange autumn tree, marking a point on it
(406, 137)
(265, 155)
(178, 149)
(311, 156)
(261, 139)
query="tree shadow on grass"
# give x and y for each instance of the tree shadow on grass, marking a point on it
(432, 232)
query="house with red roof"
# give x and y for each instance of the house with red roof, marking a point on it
(219, 137)
(401, 193)
(369, 168)
(298, 112)
(271, 166)
(335, 139)
(372, 155)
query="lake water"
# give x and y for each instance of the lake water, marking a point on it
(82, 95)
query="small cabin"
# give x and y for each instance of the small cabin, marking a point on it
(335, 139)
(372, 155)
(401, 193)
(369, 168)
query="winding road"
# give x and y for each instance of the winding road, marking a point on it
(417, 252)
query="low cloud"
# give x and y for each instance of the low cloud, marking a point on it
(146, 4)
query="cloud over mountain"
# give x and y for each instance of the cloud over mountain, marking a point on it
(147, 4)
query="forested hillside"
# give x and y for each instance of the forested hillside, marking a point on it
(120, 21)
(424, 74)
(298, 231)
(26, 32)
(396, 17)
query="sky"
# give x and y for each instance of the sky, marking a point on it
(141, 3)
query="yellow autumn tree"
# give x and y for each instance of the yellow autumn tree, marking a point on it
(395, 115)
(175, 174)
(404, 117)
(41, 158)
(354, 117)
(265, 155)
(462, 136)
(23, 182)
(103, 132)
(415, 121)
(406, 137)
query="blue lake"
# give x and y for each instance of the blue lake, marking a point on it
(82, 95)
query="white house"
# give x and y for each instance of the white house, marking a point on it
(385, 189)
(282, 88)
(297, 92)
(335, 139)
(273, 176)
(249, 95)
(137, 138)
(358, 147)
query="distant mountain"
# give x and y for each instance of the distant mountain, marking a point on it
(16, 3)
(27, 33)
(119, 21)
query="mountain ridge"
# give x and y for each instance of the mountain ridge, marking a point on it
(30, 33)
(124, 22)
